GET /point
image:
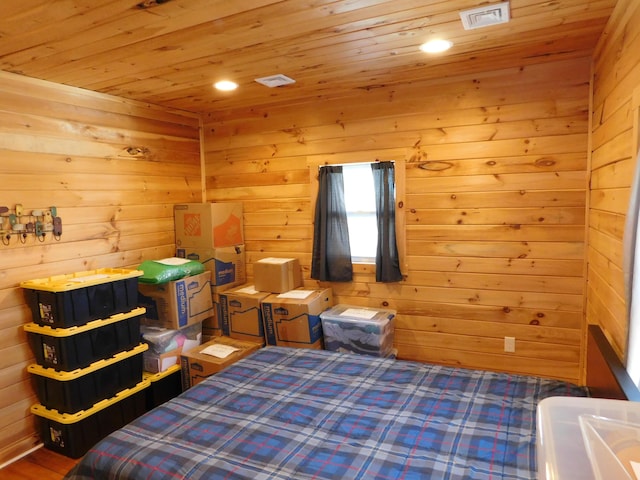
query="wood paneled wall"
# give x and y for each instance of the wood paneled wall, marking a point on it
(113, 169)
(616, 83)
(494, 200)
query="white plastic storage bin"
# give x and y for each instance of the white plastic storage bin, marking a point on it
(587, 438)
(353, 329)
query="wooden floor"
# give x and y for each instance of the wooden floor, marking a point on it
(41, 464)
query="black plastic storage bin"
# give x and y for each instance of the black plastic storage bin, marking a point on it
(74, 434)
(70, 392)
(67, 300)
(80, 346)
(163, 385)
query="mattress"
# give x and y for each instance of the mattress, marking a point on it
(288, 413)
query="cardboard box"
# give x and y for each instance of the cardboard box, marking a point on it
(160, 362)
(277, 275)
(209, 334)
(208, 225)
(292, 319)
(226, 264)
(178, 303)
(241, 314)
(211, 326)
(196, 366)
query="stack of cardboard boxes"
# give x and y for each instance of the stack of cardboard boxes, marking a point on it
(175, 311)
(275, 309)
(213, 234)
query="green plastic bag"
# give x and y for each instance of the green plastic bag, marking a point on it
(168, 269)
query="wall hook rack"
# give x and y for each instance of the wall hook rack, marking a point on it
(38, 222)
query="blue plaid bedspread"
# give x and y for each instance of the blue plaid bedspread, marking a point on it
(312, 414)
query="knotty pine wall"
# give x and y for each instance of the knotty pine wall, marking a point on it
(616, 104)
(495, 175)
(114, 169)
(495, 198)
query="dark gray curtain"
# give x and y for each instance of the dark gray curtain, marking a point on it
(387, 258)
(331, 260)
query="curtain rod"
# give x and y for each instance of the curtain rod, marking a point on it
(353, 163)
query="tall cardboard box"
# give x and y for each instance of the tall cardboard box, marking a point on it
(226, 264)
(208, 225)
(178, 303)
(241, 313)
(277, 275)
(196, 366)
(292, 319)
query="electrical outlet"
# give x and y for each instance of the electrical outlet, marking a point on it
(510, 344)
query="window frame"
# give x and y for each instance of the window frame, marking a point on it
(316, 162)
(633, 324)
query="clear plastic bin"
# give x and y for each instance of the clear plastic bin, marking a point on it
(355, 329)
(564, 453)
(613, 446)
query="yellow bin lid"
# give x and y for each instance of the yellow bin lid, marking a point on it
(73, 281)
(70, 331)
(79, 372)
(154, 377)
(68, 418)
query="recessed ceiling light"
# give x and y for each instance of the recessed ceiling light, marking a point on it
(225, 85)
(436, 46)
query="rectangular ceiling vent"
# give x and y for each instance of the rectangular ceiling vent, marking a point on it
(485, 16)
(275, 80)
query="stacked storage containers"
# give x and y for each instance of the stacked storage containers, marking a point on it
(213, 234)
(85, 337)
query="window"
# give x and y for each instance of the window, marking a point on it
(331, 257)
(632, 281)
(360, 204)
(631, 267)
(631, 262)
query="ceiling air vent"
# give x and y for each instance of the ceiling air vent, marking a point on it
(275, 80)
(485, 16)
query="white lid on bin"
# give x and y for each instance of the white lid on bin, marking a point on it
(353, 313)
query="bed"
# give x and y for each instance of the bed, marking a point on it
(288, 413)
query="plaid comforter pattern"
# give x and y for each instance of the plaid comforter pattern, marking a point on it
(312, 414)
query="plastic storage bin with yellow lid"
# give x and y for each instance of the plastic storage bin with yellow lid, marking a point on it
(74, 434)
(75, 299)
(354, 329)
(70, 392)
(80, 346)
(163, 385)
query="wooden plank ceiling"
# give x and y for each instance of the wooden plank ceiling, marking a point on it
(169, 52)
